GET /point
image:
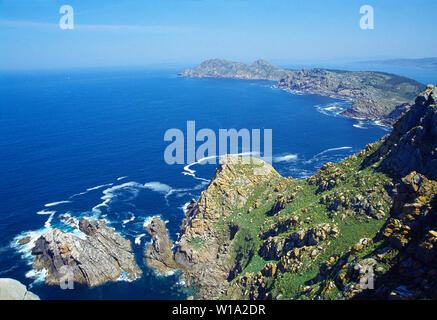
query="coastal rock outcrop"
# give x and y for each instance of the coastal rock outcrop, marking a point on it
(275, 247)
(159, 254)
(11, 289)
(100, 255)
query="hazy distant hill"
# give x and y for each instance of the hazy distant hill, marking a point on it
(219, 68)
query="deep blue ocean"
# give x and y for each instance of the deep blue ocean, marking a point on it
(89, 143)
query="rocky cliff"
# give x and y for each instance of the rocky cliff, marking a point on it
(99, 256)
(412, 144)
(362, 228)
(374, 95)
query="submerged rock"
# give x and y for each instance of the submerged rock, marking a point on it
(11, 289)
(24, 240)
(100, 256)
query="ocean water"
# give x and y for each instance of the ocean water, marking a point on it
(89, 143)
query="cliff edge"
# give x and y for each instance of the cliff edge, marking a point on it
(363, 228)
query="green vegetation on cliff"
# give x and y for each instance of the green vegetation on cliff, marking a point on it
(252, 236)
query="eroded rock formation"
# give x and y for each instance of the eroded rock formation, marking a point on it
(99, 256)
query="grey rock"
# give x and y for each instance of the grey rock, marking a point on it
(411, 145)
(11, 289)
(101, 256)
(159, 254)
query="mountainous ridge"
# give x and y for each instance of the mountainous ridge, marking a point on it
(220, 68)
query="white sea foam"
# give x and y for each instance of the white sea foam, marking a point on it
(148, 220)
(121, 178)
(125, 277)
(99, 187)
(78, 194)
(26, 249)
(332, 109)
(158, 187)
(138, 238)
(52, 204)
(286, 158)
(48, 223)
(316, 157)
(38, 276)
(170, 273)
(110, 193)
(360, 125)
(382, 126)
(69, 220)
(184, 207)
(181, 282)
(132, 218)
(44, 212)
(331, 150)
(188, 171)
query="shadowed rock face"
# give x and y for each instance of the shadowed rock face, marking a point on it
(412, 144)
(159, 255)
(101, 256)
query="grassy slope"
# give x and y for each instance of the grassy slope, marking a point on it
(254, 217)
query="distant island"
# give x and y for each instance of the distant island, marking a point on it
(375, 96)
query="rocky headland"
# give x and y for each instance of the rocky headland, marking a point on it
(374, 95)
(363, 228)
(99, 256)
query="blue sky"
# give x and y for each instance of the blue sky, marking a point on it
(154, 32)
